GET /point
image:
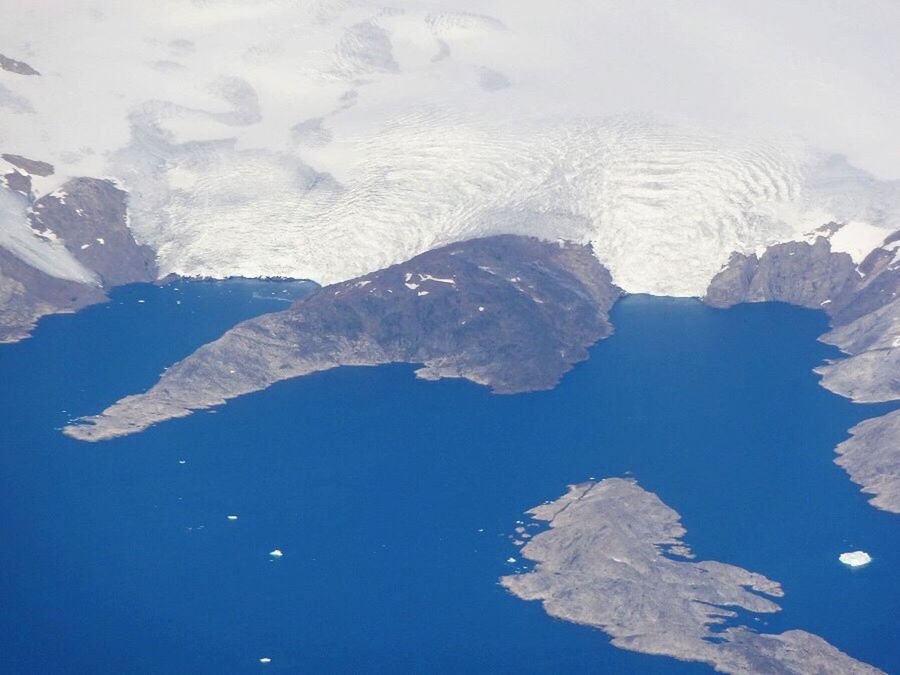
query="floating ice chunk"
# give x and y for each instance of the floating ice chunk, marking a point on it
(182, 461)
(855, 558)
(421, 293)
(276, 553)
(101, 240)
(141, 301)
(265, 659)
(510, 560)
(231, 517)
(480, 309)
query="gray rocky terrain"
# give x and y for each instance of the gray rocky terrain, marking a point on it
(861, 302)
(613, 558)
(33, 166)
(18, 67)
(512, 313)
(90, 217)
(26, 294)
(871, 376)
(17, 181)
(795, 272)
(87, 217)
(870, 457)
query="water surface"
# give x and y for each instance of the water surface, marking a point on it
(393, 498)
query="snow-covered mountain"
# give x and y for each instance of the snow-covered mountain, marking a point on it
(325, 139)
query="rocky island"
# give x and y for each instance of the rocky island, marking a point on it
(510, 312)
(614, 558)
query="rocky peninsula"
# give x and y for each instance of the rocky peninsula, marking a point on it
(509, 312)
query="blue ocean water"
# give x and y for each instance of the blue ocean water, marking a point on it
(392, 499)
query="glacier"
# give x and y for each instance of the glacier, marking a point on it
(327, 139)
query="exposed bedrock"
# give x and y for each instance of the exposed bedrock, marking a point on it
(17, 181)
(872, 376)
(810, 275)
(509, 312)
(18, 67)
(613, 558)
(26, 294)
(871, 458)
(84, 224)
(90, 216)
(795, 272)
(33, 166)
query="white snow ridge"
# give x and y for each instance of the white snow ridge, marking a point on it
(328, 139)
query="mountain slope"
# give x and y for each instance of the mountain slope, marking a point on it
(59, 252)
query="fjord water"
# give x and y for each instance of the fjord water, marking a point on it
(392, 498)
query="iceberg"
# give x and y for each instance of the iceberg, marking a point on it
(855, 558)
(276, 553)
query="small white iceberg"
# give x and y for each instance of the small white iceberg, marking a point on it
(855, 558)
(231, 517)
(510, 560)
(276, 553)
(265, 659)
